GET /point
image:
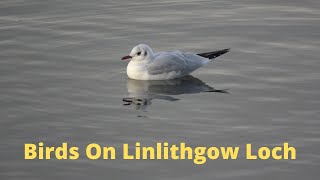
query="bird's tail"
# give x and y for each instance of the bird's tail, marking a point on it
(213, 54)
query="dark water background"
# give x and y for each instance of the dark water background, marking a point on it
(61, 79)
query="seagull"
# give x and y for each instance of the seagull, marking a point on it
(147, 65)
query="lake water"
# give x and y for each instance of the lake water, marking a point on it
(61, 80)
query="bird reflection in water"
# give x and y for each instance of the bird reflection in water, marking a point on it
(141, 93)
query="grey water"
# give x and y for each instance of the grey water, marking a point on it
(61, 80)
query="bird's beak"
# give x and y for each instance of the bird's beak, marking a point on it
(126, 57)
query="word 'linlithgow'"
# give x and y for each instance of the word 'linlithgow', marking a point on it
(160, 151)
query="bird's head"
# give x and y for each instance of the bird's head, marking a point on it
(140, 53)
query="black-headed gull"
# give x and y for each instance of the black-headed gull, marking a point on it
(147, 65)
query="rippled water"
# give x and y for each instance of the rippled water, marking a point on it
(62, 80)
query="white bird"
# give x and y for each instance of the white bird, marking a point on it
(147, 65)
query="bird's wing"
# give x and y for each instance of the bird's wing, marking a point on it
(166, 63)
(213, 54)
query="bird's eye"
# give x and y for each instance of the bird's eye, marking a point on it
(139, 53)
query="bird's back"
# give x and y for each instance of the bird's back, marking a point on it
(174, 64)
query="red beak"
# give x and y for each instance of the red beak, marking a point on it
(126, 58)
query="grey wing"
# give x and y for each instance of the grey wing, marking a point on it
(166, 63)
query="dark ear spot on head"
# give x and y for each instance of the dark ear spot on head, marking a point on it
(145, 53)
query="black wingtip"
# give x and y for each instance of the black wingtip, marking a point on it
(214, 54)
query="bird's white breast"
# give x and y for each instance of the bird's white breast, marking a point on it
(137, 71)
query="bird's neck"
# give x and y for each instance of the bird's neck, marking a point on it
(137, 64)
